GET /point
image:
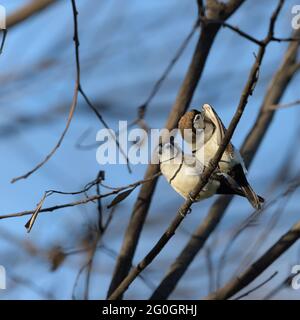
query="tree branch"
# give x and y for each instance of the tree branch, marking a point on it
(78, 89)
(284, 105)
(75, 95)
(261, 264)
(75, 203)
(183, 210)
(257, 287)
(185, 94)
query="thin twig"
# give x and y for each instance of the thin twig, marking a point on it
(101, 119)
(48, 193)
(159, 82)
(79, 202)
(267, 230)
(291, 39)
(284, 284)
(286, 194)
(242, 280)
(245, 35)
(257, 287)
(233, 28)
(78, 89)
(74, 101)
(111, 253)
(284, 105)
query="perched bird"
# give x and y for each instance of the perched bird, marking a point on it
(183, 173)
(205, 134)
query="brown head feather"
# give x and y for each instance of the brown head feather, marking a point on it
(186, 121)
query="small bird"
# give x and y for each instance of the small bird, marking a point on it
(206, 134)
(183, 172)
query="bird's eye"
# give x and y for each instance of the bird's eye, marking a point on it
(198, 117)
(199, 122)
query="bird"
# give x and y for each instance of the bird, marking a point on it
(183, 172)
(205, 133)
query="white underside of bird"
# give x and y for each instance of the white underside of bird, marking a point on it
(183, 174)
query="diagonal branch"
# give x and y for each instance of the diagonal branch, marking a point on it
(233, 28)
(183, 210)
(257, 287)
(285, 105)
(261, 264)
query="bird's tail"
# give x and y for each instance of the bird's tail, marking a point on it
(255, 200)
(239, 176)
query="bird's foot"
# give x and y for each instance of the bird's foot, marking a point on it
(192, 198)
(182, 214)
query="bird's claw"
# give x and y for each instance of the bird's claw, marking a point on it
(189, 210)
(182, 214)
(191, 198)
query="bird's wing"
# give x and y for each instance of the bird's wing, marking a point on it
(213, 116)
(240, 160)
(221, 130)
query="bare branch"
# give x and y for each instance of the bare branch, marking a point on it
(183, 210)
(284, 284)
(257, 287)
(233, 28)
(158, 83)
(78, 89)
(284, 105)
(291, 39)
(73, 105)
(79, 202)
(185, 94)
(261, 264)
